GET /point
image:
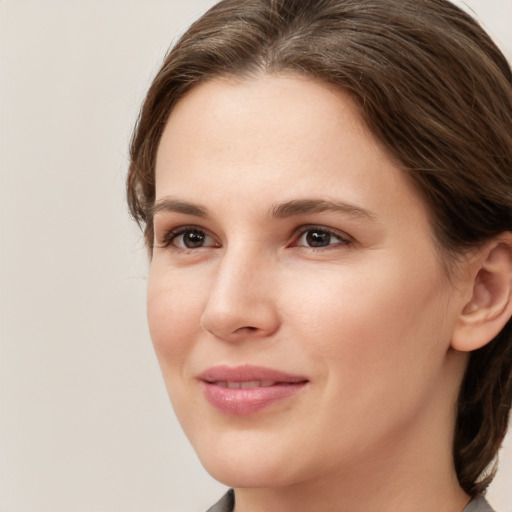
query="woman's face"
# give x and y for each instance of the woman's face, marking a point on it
(297, 306)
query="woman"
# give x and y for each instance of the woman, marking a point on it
(325, 188)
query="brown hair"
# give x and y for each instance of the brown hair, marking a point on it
(431, 86)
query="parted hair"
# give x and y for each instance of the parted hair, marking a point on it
(432, 88)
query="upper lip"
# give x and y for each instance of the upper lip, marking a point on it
(246, 373)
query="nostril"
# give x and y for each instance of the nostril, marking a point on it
(236, 320)
(246, 328)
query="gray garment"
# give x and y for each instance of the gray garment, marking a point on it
(227, 503)
(478, 505)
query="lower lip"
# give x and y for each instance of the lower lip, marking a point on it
(243, 402)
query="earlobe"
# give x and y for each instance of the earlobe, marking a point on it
(490, 305)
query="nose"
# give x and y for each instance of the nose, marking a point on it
(241, 303)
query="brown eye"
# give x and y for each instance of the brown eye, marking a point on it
(192, 239)
(318, 238)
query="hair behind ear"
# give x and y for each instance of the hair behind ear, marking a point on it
(483, 412)
(485, 330)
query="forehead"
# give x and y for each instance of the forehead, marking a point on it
(255, 103)
(290, 116)
(286, 134)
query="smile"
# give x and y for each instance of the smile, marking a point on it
(246, 390)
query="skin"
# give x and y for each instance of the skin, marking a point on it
(368, 319)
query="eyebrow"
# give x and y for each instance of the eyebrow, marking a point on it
(279, 211)
(177, 206)
(304, 206)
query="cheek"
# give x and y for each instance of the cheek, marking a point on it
(381, 323)
(378, 344)
(174, 311)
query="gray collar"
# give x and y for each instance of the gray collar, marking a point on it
(478, 505)
(227, 503)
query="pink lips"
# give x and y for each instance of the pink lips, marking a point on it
(245, 390)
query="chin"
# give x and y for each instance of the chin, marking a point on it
(248, 475)
(248, 464)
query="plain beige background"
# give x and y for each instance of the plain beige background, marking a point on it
(85, 424)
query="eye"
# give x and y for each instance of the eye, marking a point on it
(318, 238)
(189, 238)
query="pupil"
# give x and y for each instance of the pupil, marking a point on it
(193, 239)
(318, 238)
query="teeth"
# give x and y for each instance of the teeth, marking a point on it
(250, 384)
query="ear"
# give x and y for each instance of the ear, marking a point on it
(490, 305)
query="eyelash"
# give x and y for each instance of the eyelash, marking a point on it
(173, 234)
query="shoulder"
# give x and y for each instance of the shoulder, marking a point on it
(227, 503)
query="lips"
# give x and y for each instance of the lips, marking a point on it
(245, 390)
